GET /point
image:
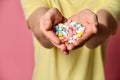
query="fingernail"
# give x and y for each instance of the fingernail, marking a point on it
(66, 52)
(57, 42)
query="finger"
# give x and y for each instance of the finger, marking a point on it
(53, 17)
(46, 22)
(62, 47)
(52, 37)
(79, 46)
(66, 52)
(92, 24)
(70, 47)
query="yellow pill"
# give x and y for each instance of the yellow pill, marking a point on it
(79, 34)
(60, 35)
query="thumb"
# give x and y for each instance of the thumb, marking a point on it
(48, 25)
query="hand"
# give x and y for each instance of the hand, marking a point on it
(89, 20)
(47, 23)
(107, 26)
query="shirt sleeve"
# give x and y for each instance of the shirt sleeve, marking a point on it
(113, 6)
(29, 6)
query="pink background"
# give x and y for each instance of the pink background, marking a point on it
(112, 66)
(16, 47)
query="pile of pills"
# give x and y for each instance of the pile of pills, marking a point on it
(69, 31)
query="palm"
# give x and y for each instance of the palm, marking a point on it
(89, 20)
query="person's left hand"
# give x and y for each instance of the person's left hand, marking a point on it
(89, 20)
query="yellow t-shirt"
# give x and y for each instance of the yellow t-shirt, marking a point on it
(80, 64)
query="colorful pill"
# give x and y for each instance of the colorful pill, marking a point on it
(69, 31)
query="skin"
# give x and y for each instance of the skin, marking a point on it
(89, 20)
(98, 27)
(41, 23)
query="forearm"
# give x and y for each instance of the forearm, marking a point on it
(33, 23)
(107, 25)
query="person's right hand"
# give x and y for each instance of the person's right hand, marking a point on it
(47, 22)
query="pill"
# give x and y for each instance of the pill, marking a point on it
(69, 31)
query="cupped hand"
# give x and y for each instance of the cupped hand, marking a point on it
(47, 22)
(88, 19)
